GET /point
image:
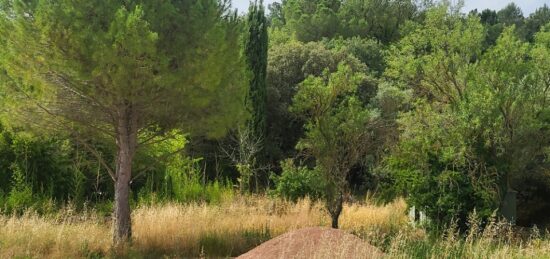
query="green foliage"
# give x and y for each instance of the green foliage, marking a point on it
(125, 50)
(276, 15)
(314, 20)
(245, 175)
(339, 129)
(368, 51)
(296, 182)
(290, 64)
(185, 183)
(511, 15)
(54, 168)
(19, 200)
(536, 21)
(253, 140)
(122, 72)
(2, 200)
(104, 208)
(434, 166)
(434, 59)
(256, 53)
(382, 20)
(77, 184)
(20, 197)
(476, 121)
(337, 121)
(433, 163)
(179, 177)
(456, 106)
(192, 189)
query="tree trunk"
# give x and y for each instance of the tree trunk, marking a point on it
(335, 209)
(126, 142)
(122, 223)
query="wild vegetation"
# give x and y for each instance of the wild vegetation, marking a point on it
(182, 128)
(235, 226)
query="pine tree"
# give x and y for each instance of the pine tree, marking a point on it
(125, 71)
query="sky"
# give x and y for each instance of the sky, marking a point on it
(528, 6)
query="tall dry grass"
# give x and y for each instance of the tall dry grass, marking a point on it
(496, 240)
(228, 229)
(65, 235)
(233, 227)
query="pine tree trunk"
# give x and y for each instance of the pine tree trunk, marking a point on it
(126, 142)
(122, 221)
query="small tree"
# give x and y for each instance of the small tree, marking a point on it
(242, 148)
(127, 71)
(339, 129)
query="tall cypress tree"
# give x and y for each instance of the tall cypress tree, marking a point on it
(256, 44)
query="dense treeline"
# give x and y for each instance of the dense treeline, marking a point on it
(462, 98)
(395, 97)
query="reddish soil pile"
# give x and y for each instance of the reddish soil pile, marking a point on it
(314, 243)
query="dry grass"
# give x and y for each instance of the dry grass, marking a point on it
(234, 227)
(231, 228)
(496, 240)
(61, 237)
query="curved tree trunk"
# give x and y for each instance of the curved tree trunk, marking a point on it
(335, 209)
(127, 143)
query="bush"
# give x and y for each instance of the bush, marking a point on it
(184, 179)
(20, 197)
(48, 168)
(298, 182)
(217, 192)
(104, 208)
(19, 200)
(178, 178)
(192, 190)
(182, 182)
(438, 168)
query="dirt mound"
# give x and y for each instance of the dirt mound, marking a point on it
(314, 243)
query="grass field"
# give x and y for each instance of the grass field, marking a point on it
(234, 227)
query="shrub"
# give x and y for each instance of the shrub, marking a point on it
(104, 208)
(297, 182)
(20, 197)
(439, 168)
(187, 184)
(217, 192)
(19, 200)
(51, 168)
(192, 190)
(178, 178)
(183, 183)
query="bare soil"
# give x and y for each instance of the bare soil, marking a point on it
(314, 243)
